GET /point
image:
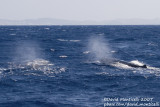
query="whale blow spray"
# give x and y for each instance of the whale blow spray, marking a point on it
(27, 51)
(99, 48)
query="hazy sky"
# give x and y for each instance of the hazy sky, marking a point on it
(98, 10)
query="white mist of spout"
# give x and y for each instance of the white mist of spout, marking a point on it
(27, 51)
(99, 48)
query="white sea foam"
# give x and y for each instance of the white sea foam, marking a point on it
(62, 69)
(1, 69)
(52, 50)
(63, 40)
(29, 60)
(101, 34)
(38, 62)
(36, 67)
(63, 56)
(113, 51)
(86, 52)
(47, 28)
(152, 44)
(102, 73)
(74, 40)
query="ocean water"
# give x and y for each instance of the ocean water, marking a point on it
(61, 66)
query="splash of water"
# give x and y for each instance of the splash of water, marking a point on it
(99, 47)
(29, 56)
(29, 60)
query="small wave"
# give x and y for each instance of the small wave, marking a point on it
(12, 34)
(102, 73)
(86, 52)
(38, 62)
(113, 51)
(47, 28)
(2, 69)
(74, 40)
(63, 56)
(64, 30)
(52, 50)
(152, 44)
(63, 40)
(60, 70)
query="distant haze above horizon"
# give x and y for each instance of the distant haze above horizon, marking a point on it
(81, 11)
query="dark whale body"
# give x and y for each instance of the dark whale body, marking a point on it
(133, 65)
(112, 61)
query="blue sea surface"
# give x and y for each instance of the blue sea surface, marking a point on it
(55, 66)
